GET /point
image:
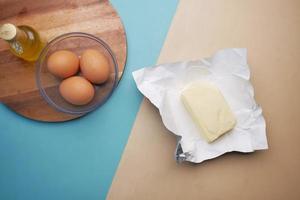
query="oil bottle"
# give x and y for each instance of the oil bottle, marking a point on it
(23, 40)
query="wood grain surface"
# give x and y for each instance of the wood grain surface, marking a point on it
(18, 88)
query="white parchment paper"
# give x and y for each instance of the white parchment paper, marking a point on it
(228, 70)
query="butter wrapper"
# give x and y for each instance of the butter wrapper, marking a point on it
(229, 71)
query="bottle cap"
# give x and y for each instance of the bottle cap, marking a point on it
(8, 31)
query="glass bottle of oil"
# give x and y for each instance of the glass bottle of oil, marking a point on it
(23, 40)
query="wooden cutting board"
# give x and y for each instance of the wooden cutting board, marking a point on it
(18, 88)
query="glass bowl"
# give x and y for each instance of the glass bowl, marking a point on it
(48, 84)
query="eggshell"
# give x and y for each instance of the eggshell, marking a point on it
(77, 90)
(94, 66)
(63, 63)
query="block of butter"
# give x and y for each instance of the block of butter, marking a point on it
(208, 109)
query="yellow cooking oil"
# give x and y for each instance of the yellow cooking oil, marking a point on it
(24, 41)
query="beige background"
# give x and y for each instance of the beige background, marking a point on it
(270, 29)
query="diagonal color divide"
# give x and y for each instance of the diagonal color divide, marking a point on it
(270, 30)
(78, 159)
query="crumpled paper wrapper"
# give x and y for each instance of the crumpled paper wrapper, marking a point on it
(228, 70)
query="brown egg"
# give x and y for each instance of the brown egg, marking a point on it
(94, 66)
(77, 90)
(63, 63)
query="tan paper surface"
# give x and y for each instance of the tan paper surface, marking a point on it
(270, 29)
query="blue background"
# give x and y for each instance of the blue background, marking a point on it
(78, 159)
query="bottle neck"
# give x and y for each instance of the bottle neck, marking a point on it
(20, 35)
